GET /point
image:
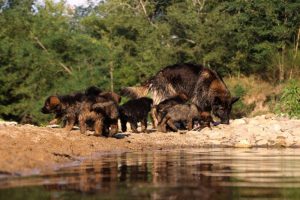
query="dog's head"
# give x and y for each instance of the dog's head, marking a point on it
(221, 107)
(206, 117)
(147, 101)
(52, 105)
(111, 96)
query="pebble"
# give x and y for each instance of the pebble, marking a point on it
(243, 144)
(53, 126)
(254, 121)
(276, 127)
(216, 135)
(238, 122)
(262, 142)
(4, 123)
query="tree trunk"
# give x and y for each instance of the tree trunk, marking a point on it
(281, 65)
(295, 54)
(111, 71)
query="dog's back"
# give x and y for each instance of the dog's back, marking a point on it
(178, 99)
(182, 112)
(137, 108)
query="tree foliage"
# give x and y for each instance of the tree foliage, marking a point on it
(52, 48)
(290, 100)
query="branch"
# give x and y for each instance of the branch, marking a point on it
(46, 50)
(145, 11)
(297, 44)
(201, 4)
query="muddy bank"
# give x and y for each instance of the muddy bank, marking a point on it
(26, 147)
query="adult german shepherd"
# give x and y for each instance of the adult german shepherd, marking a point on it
(203, 86)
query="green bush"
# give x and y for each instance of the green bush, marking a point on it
(240, 109)
(289, 102)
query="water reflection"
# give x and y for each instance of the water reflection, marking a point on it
(175, 174)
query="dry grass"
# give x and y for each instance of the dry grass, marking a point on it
(258, 96)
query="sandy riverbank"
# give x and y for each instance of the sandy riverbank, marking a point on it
(27, 147)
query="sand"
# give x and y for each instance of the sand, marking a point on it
(27, 148)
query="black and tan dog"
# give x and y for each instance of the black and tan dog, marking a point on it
(134, 111)
(158, 110)
(184, 114)
(70, 108)
(205, 120)
(65, 107)
(105, 104)
(203, 86)
(103, 110)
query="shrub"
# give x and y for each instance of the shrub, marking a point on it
(289, 102)
(240, 109)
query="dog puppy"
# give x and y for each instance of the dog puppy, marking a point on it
(109, 110)
(107, 104)
(65, 107)
(87, 114)
(158, 110)
(182, 113)
(134, 111)
(205, 120)
(100, 108)
(111, 96)
(93, 105)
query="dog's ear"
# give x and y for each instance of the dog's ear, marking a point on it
(234, 99)
(113, 96)
(183, 96)
(54, 101)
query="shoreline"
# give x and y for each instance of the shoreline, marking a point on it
(26, 147)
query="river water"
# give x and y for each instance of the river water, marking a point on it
(167, 174)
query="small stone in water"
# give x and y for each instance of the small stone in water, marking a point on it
(243, 144)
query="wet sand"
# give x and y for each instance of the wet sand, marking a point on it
(25, 148)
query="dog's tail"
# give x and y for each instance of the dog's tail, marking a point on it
(136, 92)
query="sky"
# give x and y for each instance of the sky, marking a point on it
(76, 2)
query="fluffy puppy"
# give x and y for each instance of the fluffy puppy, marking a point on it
(205, 120)
(134, 111)
(158, 110)
(109, 110)
(107, 104)
(65, 107)
(100, 108)
(111, 96)
(182, 113)
(87, 114)
(93, 105)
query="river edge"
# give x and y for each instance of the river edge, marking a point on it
(27, 149)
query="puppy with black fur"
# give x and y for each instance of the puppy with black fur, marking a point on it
(134, 111)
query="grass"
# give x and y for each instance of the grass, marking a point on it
(257, 96)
